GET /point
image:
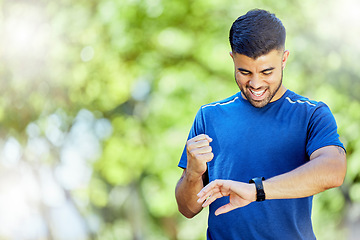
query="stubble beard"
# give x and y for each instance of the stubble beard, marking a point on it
(264, 102)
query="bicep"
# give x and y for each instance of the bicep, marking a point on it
(333, 152)
(330, 162)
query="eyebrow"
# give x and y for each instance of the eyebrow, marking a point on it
(243, 70)
(268, 69)
(265, 70)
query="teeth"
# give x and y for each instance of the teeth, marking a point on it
(258, 93)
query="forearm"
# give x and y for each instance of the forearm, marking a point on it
(319, 174)
(185, 193)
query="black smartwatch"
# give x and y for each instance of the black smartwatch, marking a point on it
(260, 194)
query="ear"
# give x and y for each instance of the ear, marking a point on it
(232, 55)
(285, 58)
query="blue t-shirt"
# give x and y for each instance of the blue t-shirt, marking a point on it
(253, 142)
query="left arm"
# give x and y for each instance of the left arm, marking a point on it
(326, 169)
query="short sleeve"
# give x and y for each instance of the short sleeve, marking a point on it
(322, 130)
(196, 129)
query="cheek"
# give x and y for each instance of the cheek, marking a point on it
(274, 78)
(240, 79)
(271, 80)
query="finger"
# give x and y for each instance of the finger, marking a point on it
(201, 137)
(210, 189)
(203, 196)
(224, 209)
(200, 150)
(208, 156)
(194, 145)
(205, 190)
(209, 138)
(212, 198)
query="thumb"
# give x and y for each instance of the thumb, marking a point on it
(224, 209)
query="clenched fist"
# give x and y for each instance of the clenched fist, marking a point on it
(199, 152)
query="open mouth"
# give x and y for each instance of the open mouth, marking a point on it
(258, 93)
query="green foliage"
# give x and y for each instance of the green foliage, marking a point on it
(121, 81)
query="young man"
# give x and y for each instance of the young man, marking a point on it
(257, 157)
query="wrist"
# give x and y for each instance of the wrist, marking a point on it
(192, 177)
(253, 192)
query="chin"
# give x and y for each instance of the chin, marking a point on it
(260, 104)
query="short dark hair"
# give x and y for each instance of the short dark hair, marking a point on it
(257, 33)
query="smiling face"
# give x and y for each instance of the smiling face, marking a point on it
(260, 79)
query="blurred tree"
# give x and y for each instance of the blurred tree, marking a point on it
(98, 97)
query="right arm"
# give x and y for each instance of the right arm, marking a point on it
(198, 152)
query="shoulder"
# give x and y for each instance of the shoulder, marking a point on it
(298, 100)
(224, 102)
(294, 100)
(213, 111)
(303, 107)
(315, 111)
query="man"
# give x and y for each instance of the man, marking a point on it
(263, 143)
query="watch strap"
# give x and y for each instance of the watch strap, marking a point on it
(260, 193)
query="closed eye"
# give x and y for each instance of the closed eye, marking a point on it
(267, 72)
(244, 73)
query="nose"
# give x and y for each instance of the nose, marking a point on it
(255, 82)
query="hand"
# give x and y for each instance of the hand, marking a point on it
(199, 152)
(241, 194)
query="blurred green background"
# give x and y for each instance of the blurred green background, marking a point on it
(97, 98)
